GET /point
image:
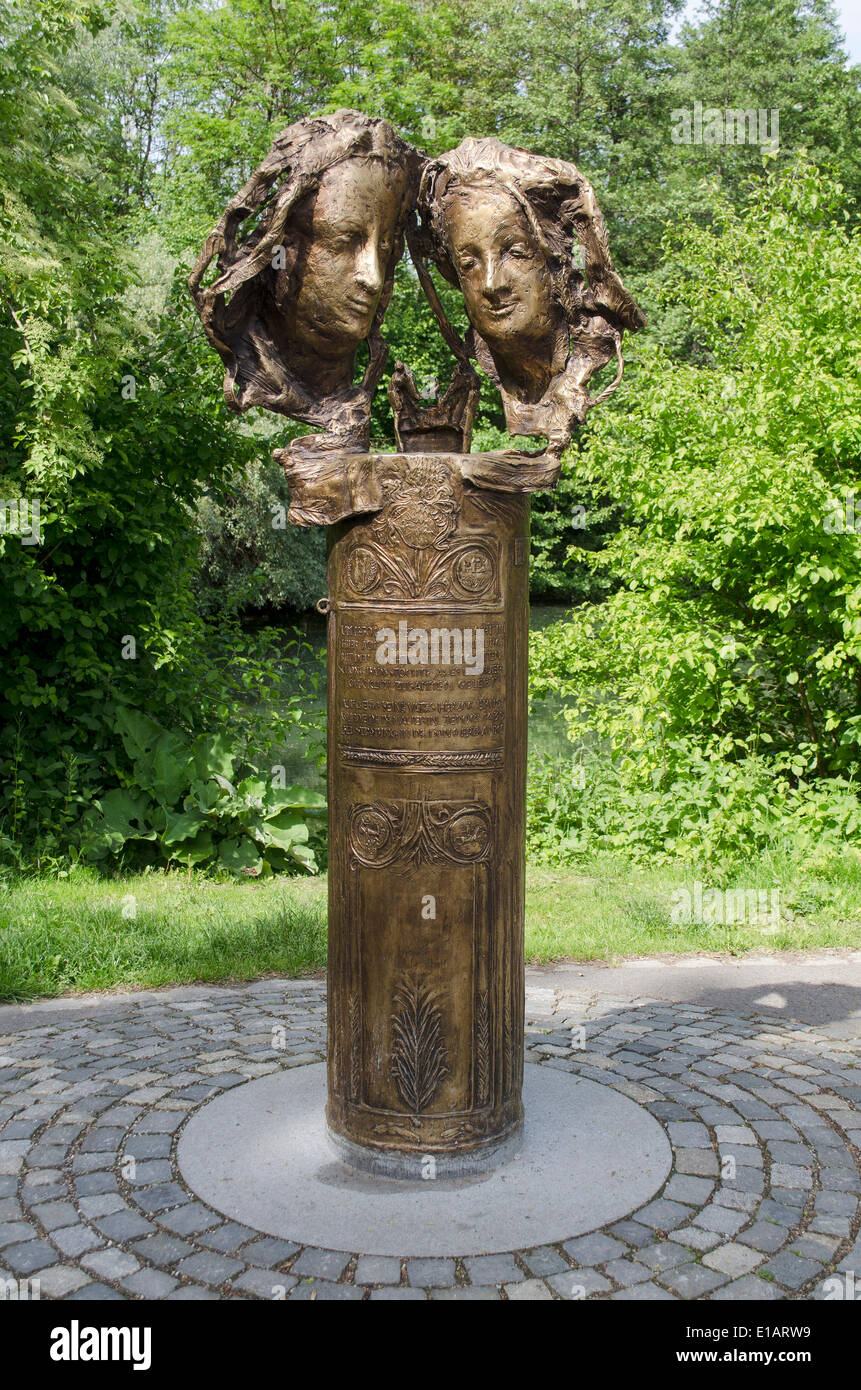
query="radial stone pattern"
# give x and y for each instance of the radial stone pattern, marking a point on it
(761, 1201)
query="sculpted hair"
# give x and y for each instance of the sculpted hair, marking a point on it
(242, 308)
(561, 209)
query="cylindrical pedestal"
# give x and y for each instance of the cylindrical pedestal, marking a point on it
(428, 633)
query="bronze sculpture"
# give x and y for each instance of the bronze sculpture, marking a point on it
(503, 225)
(291, 303)
(428, 586)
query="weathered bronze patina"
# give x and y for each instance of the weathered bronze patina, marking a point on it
(427, 588)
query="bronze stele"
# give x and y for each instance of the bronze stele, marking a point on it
(428, 584)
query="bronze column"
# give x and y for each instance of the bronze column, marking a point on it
(428, 632)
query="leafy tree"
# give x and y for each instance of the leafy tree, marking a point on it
(735, 628)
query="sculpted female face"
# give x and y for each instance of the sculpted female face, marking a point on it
(502, 272)
(347, 232)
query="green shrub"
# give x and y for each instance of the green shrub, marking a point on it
(183, 801)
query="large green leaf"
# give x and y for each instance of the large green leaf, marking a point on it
(239, 856)
(138, 732)
(182, 825)
(284, 830)
(295, 799)
(124, 816)
(212, 754)
(172, 769)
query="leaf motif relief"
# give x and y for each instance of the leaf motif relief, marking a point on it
(355, 1047)
(482, 1047)
(419, 1056)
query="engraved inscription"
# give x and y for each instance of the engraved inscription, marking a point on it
(408, 705)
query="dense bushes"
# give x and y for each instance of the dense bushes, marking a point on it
(724, 670)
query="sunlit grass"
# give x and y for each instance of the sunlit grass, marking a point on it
(86, 933)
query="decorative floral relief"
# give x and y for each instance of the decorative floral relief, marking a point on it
(413, 833)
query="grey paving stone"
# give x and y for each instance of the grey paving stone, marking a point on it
(209, 1267)
(682, 1187)
(397, 1295)
(265, 1283)
(697, 1238)
(664, 1215)
(29, 1256)
(477, 1293)
(594, 1249)
(579, 1283)
(699, 1162)
(378, 1269)
(726, 1196)
(792, 1270)
(162, 1249)
(60, 1280)
(643, 1293)
(831, 1225)
(688, 1136)
(544, 1260)
(150, 1283)
(749, 1287)
(721, 1219)
(267, 1252)
(228, 1237)
(141, 1146)
(54, 1215)
(663, 1255)
(814, 1247)
(101, 1205)
(124, 1225)
(493, 1269)
(835, 1204)
(75, 1240)
(627, 1271)
(431, 1273)
(321, 1264)
(189, 1220)
(734, 1259)
(101, 1140)
(764, 1236)
(735, 1134)
(110, 1264)
(192, 1293)
(778, 1212)
(160, 1122)
(529, 1291)
(95, 1293)
(797, 1154)
(633, 1233)
(691, 1280)
(789, 1175)
(11, 1232)
(321, 1290)
(149, 1171)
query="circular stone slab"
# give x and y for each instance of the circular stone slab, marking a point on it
(259, 1153)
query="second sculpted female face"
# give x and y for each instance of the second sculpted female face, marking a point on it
(348, 232)
(502, 271)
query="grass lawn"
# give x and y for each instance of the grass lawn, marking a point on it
(83, 933)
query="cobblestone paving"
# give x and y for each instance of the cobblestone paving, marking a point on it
(762, 1200)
